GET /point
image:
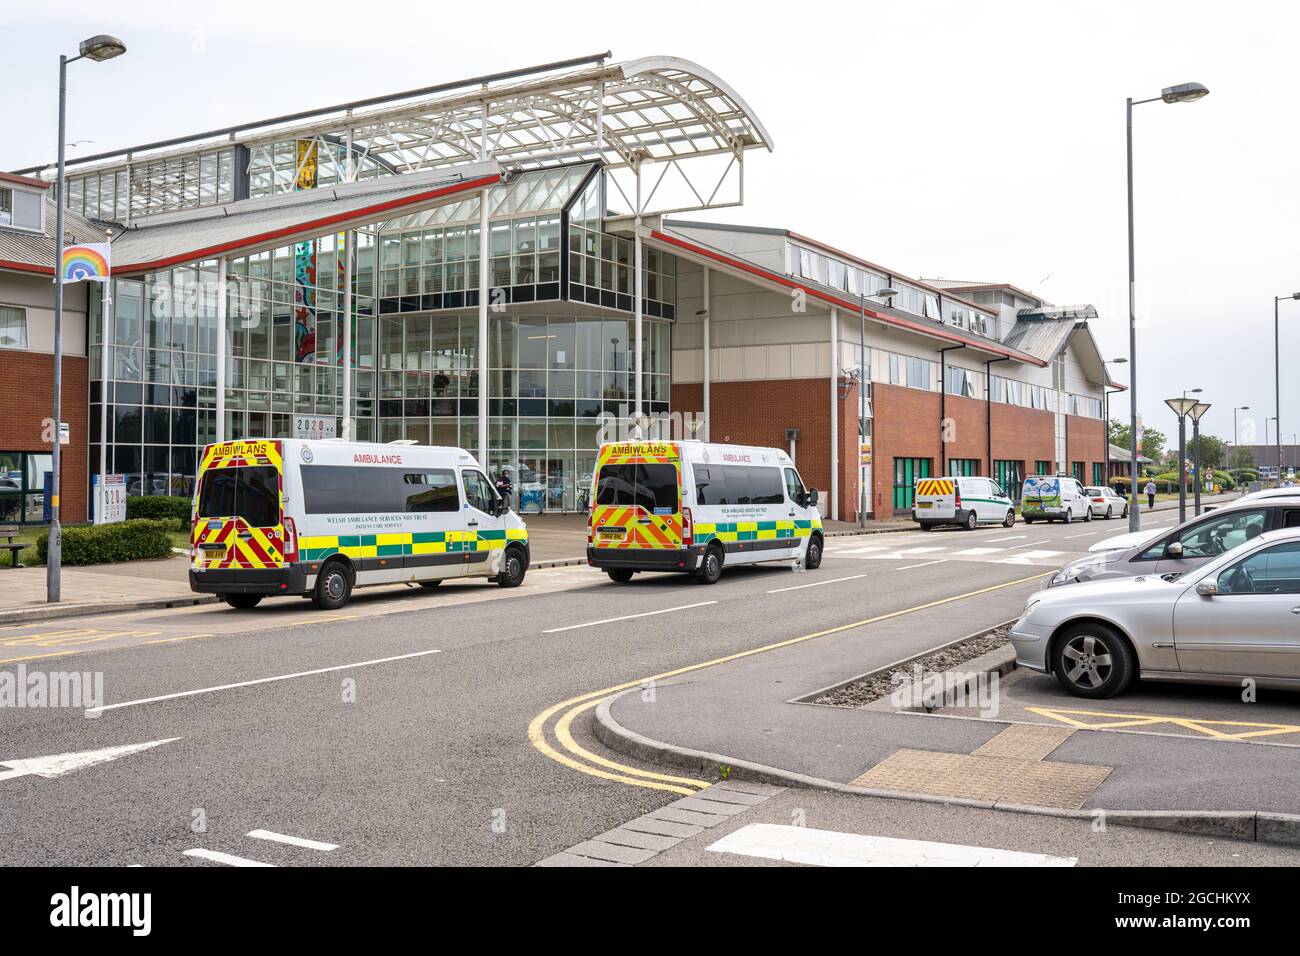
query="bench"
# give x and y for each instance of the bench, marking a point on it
(8, 533)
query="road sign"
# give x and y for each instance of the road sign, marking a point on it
(313, 426)
(110, 498)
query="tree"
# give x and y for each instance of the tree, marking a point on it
(1153, 439)
(1241, 459)
(1212, 451)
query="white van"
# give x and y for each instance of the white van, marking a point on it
(693, 506)
(318, 518)
(1054, 498)
(962, 500)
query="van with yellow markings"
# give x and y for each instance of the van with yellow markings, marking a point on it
(318, 518)
(693, 507)
(967, 501)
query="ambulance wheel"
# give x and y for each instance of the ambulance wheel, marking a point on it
(619, 575)
(512, 570)
(243, 601)
(333, 586)
(812, 559)
(1010, 520)
(710, 566)
(971, 521)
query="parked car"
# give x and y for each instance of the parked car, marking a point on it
(1106, 503)
(1187, 546)
(966, 501)
(1230, 619)
(1053, 498)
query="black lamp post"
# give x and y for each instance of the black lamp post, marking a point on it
(1199, 409)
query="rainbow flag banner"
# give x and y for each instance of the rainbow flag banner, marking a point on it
(90, 261)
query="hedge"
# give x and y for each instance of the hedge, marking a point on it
(156, 507)
(100, 544)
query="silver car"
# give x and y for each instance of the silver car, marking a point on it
(1233, 618)
(1185, 547)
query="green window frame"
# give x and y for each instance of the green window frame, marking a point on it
(964, 467)
(1076, 469)
(906, 473)
(1042, 467)
(1010, 475)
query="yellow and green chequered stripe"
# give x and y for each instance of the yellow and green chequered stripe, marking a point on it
(755, 530)
(319, 547)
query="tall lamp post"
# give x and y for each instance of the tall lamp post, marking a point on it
(1199, 409)
(98, 48)
(1239, 408)
(1182, 407)
(1182, 93)
(887, 295)
(1277, 380)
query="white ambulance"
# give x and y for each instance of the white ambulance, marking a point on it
(964, 500)
(318, 518)
(693, 506)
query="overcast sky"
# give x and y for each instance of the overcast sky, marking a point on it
(963, 140)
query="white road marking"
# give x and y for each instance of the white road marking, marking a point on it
(815, 584)
(859, 550)
(1010, 537)
(979, 551)
(628, 617)
(771, 841)
(292, 840)
(56, 765)
(216, 856)
(1086, 534)
(1038, 554)
(1027, 544)
(923, 564)
(95, 712)
(919, 550)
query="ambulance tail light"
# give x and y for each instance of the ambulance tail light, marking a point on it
(590, 515)
(290, 541)
(688, 528)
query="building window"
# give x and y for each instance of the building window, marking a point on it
(1042, 467)
(6, 207)
(1096, 473)
(13, 327)
(1010, 475)
(22, 486)
(918, 373)
(964, 467)
(1076, 469)
(906, 472)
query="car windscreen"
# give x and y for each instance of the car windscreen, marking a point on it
(251, 492)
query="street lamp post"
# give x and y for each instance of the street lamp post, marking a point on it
(1199, 409)
(1182, 93)
(1277, 379)
(1182, 407)
(98, 48)
(1235, 440)
(887, 295)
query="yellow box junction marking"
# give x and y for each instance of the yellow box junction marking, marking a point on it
(1210, 728)
(633, 776)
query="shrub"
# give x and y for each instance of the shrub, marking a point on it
(100, 544)
(155, 507)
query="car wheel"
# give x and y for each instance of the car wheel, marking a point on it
(619, 575)
(431, 584)
(1093, 660)
(710, 566)
(243, 602)
(971, 521)
(1010, 520)
(333, 586)
(512, 570)
(926, 527)
(1110, 512)
(1087, 514)
(1069, 517)
(1029, 520)
(812, 559)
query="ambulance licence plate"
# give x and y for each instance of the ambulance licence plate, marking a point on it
(212, 548)
(611, 534)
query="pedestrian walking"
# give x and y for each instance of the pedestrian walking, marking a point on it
(504, 486)
(1150, 491)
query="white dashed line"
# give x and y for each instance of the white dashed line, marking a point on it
(627, 617)
(814, 584)
(1010, 537)
(292, 840)
(228, 859)
(923, 564)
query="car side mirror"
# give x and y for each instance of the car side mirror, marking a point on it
(1174, 550)
(499, 507)
(810, 498)
(1207, 588)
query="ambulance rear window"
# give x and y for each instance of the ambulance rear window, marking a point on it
(248, 492)
(652, 487)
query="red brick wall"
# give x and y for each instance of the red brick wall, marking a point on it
(1085, 441)
(27, 397)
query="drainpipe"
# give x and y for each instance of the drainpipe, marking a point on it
(943, 404)
(988, 409)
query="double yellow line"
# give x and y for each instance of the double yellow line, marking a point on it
(568, 752)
